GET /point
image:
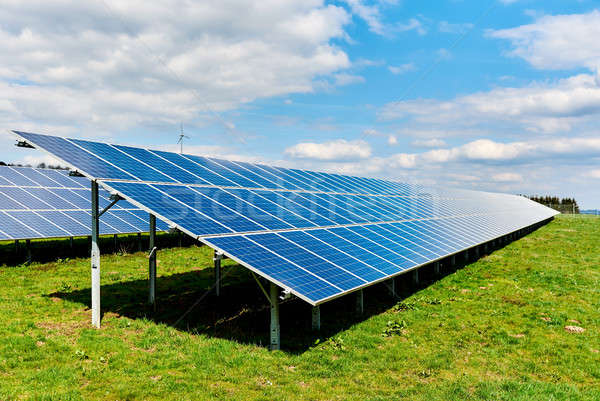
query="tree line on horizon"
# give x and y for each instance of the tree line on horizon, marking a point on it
(563, 205)
(40, 165)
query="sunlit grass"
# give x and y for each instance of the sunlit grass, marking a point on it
(493, 330)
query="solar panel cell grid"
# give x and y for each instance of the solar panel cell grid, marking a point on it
(48, 191)
(307, 260)
(290, 275)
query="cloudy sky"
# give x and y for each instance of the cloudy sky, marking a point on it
(498, 95)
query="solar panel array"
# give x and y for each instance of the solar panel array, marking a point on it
(45, 203)
(318, 235)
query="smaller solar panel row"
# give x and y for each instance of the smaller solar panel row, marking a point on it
(40, 203)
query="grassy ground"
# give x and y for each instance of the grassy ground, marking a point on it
(493, 330)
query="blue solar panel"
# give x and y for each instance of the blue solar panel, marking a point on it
(229, 175)
(36, 177)
(12, 176)
(161, 164)
(318, 234)
(203, 175)
(353, 265)
(255, 179)
(8, 203)
(76, 156)
(286, 273)
(400, 247)
(15, 228)
(135, 168)
(74, 227)
(164, 205)
(31, 211)
(210, 208)
(293, 213)
(62, 178)
(38, 223)
(307, 260)
(229, 199)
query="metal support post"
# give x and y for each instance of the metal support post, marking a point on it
(28, 251)
(467, 256)
(95, 258)
(415, 277)
(316, 318)
(180, 238)
(476, 252)
(360, 308)
(71, 243)
(436, 268)
(391, 285)
(17, 247)
(453, 260)
(275, 330)
(115, 243)
(152, 261)
(217, 259)
(139, 241)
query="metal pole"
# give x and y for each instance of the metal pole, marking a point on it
(275, 329)
(392, 286)
(139, 241)
(453, 260)
(217, 259)
(115, 243)
(17, 247)
(436, 268)
(71, 244)
(316, 318)
(95, 258)
(415, 277)
(360, 307)
(28, 249)
(152, 262)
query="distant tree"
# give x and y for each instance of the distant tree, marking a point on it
(564, 205)
(2, 164)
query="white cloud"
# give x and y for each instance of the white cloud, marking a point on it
(402, 69)
(371, 132)
(429, 143)
(557, 42)
(507, 177)
(547, 107)
(447, 27)
(392, 140)
(371, 14)
(340, 149)
(344, 79)
(413, 24)
(593, 174)
(77, 65)
(444, 54)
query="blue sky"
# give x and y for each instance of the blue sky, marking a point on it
(492, 95)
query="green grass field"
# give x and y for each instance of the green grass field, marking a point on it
(492, 330)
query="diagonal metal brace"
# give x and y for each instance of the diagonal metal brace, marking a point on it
(262, 288)
(152, 252)
(115, 199)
